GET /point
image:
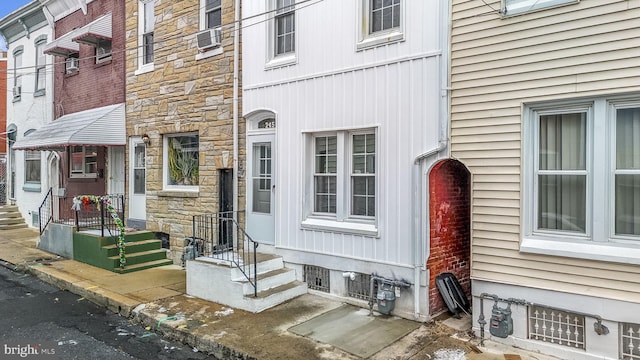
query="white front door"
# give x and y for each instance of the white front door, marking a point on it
(115, 184)
(261, 188)
(137, 179)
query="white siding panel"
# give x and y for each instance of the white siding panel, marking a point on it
(589, 48)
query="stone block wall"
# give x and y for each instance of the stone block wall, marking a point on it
(183, 94)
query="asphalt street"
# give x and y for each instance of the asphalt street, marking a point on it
(37, 317)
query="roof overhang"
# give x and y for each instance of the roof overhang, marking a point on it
(103, 126)
(63, 46)
(92, 33)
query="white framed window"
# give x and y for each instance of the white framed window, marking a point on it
(282, 33)
(212, 14)
(342, 180)
(41, 66)
(181, 161)
(17, 73)
(146, 26)
(381, 22)
(582, 179)
(32, 167)
(83, 161)
(514, 7)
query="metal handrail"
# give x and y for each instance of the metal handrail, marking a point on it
(218, 232)
(41, 208)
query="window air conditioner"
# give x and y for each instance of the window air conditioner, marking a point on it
(72, 64)
(17, 90)
(209, 38)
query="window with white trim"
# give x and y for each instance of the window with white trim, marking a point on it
(181, 161)
(285, 27)
(103, 51)
(582, 185)
(213, 14)
(41, 66)
(32, 167)
(83, 161)
(17, 73)
(342, 179)
(513, 7)
(381, 22)
(146, 26)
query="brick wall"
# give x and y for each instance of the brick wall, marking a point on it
(182, 94)
(449, 210)
(94, 85)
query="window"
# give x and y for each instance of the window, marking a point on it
(103, 51)
(41, 66)
(17, 73)
(181, 161)
(513, 7)
(582, 186)
(146, 28)
(213, 14)
(284, 27)
(83, 161)
(32, 167)
(381, 22)
(342, 182)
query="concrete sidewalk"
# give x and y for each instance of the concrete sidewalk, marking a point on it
(156, 299)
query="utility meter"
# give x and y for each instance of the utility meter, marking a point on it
(501, 323)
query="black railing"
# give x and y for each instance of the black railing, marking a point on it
(59, 210)
(219, 235)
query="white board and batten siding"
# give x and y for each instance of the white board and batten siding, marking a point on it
(500, 63)
(332, 85)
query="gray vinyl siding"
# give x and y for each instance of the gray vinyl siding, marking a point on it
(500, 63)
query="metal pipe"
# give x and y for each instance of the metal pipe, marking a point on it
(236, 54)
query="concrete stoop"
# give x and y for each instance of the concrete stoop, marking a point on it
(11, 218)
(276, 284)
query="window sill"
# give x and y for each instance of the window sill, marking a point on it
(207, 54)
(40, 92)
(340, 226)
(588, 250)
(380, 39)
(31, 187)
(281, 60)
(145, 69)
(179, 193)
(85, 176)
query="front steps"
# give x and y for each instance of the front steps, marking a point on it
(10, 218)
(218, 281)
(142, 251)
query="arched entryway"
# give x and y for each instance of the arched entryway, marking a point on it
(449, 224)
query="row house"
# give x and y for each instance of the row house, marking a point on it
(343, 125)
(28, 82)
(184, 129)
(545, 114)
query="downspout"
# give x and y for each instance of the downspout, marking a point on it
(420, 191)
(236, 52)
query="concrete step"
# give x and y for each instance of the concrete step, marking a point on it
(10, 220)
(140, 257)
(269, 280)
(133, 247)
(276, 296)
(142, 266)
(8, 208)
(14, 226)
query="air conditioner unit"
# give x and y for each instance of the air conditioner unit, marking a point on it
(209, 38)
(72, 64)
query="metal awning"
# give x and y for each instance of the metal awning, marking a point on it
(99, 29)
(63, 46)
(103, 126)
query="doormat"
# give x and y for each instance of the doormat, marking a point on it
(353, 330)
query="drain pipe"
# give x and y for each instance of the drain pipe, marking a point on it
(236, 54)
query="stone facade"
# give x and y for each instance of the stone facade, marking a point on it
(185, 91)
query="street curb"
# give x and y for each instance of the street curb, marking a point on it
(172, 330)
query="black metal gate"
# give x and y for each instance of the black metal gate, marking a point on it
(225, 209)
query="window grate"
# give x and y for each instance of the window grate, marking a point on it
(630, 341)
(317, 278)
(359, 288)
(557, 327)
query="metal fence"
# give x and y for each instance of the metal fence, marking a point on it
(3, 181)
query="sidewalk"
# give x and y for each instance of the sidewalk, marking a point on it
(156, 299)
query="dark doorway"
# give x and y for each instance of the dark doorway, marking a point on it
(225, 208)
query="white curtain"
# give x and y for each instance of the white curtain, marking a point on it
(562, 172)
(627, 174)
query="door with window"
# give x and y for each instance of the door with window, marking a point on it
(137, 180)
(261, 188)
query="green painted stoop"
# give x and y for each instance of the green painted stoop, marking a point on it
(142, 251)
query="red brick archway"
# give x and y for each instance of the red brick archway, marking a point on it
(449, 223)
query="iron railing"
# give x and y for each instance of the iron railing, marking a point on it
(223, 239)
(58, 209)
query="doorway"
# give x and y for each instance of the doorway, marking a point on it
(137, 183)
